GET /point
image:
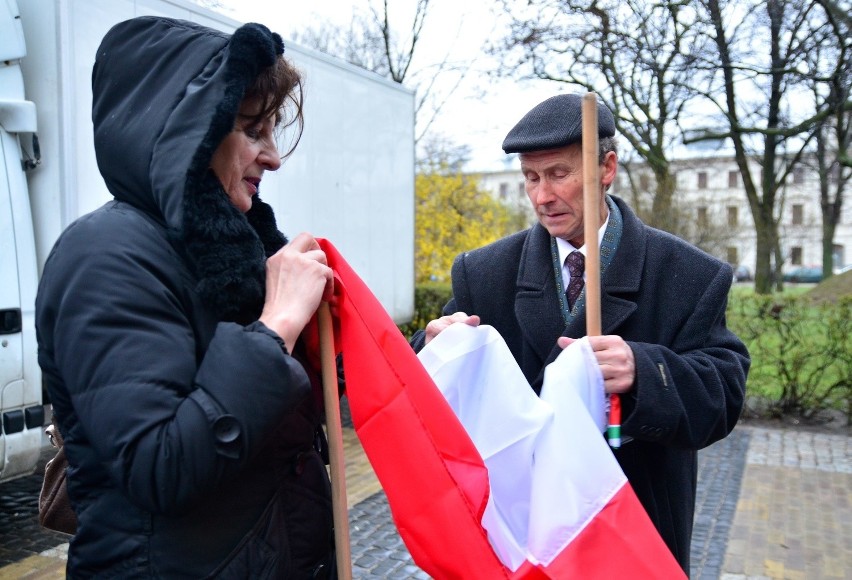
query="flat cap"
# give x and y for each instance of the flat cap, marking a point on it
(555, 123)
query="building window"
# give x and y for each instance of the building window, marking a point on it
(837, 256)
(796, 256)
(522, 191)
(702, 180)
(701, 218)
(733, 255)
(798, 175)
(733, 179)
(798, 214)
(504, 190)
(733, 216)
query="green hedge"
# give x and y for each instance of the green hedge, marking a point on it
(429, 300)
(801, 353)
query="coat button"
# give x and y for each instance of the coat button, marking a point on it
(226, 429)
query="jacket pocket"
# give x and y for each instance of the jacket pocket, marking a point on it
(307, 511)
(294, 536)
(255, 556)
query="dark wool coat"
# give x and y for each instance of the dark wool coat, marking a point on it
(189, 429)
(667, 299)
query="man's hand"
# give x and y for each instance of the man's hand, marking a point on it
(615, 358)
(435, 327)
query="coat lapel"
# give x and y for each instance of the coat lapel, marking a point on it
(536, 304)
(619, 284)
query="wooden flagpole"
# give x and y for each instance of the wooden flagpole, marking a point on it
(591, 214)
(591, 225)
(334, 431)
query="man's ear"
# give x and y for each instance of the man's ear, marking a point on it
(609, 167)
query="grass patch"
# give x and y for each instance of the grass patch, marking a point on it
(800, 348)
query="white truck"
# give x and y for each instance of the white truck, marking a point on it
(351, 180)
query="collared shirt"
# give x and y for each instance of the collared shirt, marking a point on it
(564, 247)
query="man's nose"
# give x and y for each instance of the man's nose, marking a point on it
(543, 192)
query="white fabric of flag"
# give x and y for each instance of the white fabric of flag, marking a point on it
(550, 470)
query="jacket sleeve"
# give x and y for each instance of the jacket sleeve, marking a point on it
(418, 339)
(690, 394)
(163, 419)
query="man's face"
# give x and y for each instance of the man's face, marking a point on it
(554, 183)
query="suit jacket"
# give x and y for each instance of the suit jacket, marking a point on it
(667, 299)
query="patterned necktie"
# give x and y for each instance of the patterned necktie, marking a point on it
(576, 264)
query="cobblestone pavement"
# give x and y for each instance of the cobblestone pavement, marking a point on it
(794, 515)
(720, 471)
(771, 504)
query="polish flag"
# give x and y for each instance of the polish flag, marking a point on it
(539, 496)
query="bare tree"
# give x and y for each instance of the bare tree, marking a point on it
(399, 56)
(440, 154)
(372, 43)
(831, 62)
(839, 12)
(637, 55)
(360, 43)
(754, 78)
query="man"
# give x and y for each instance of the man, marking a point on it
(665, 347)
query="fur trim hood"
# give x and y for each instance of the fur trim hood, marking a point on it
(166, 92)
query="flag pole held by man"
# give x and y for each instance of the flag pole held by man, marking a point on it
(664, 348)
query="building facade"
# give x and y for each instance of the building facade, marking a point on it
(714, 211)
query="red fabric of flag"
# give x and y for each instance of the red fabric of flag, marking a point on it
(435, 479)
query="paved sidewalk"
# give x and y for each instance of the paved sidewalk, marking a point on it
(794, 515)
(771, 504)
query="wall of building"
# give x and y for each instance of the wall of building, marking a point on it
(712, 201)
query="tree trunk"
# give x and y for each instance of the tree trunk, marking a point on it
(663, 215)
(763, 273)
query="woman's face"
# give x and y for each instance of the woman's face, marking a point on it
(243, 156)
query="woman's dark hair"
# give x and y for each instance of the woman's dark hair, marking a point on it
(279, 91)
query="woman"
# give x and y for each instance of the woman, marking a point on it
(167, 320)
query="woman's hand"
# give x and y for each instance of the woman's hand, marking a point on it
(297, 279)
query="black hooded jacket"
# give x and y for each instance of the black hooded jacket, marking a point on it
(189, 429)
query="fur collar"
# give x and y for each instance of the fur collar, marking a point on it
(228, 249)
